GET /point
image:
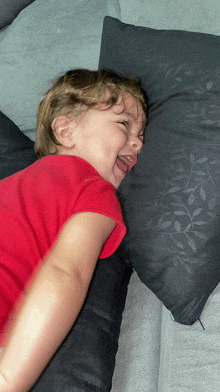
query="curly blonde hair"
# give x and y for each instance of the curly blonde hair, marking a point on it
(74, 92)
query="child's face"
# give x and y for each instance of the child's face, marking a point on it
(111, 139)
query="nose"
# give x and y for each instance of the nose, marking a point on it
(136, 144)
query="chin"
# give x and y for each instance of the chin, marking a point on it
(117, 183)
(115, 180)
(114, 183)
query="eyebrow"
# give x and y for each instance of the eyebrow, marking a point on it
(135, 118)
(129, 114)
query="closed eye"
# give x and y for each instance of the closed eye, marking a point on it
(125, 123)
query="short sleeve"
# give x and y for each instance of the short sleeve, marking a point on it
(100, 197)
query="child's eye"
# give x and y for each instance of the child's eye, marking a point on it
(125, 123)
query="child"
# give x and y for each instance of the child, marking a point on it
(59, 215)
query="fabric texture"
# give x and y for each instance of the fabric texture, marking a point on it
(189, 355)
(10, 9)
(138, 357)
(46, 39)
(34, 206)
(196, 15)
(86, 360)
(16, 149)
(171, 198)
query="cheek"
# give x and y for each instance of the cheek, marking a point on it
(121, 139)
(123, 142)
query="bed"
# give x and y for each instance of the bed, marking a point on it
(151, 318)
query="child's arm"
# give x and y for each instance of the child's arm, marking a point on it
(54, 301)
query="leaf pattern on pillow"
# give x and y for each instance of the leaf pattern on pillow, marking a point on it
(186, 206)
(171, 198)
(193, 184)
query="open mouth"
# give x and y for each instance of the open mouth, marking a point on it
(126, 162)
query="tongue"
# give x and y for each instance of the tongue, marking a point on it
(122, 165)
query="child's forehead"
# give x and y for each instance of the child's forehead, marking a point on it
(129, 105)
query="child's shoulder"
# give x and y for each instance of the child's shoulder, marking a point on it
(57, 177)
(65, 162)
(52, 169)
(66, 171)
(69, 166)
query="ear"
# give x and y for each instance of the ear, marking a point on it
(63, 128)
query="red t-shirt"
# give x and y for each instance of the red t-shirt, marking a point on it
(34, 205)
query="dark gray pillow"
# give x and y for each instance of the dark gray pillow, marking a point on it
(171, 198)
(85, 361)
(16, 149)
